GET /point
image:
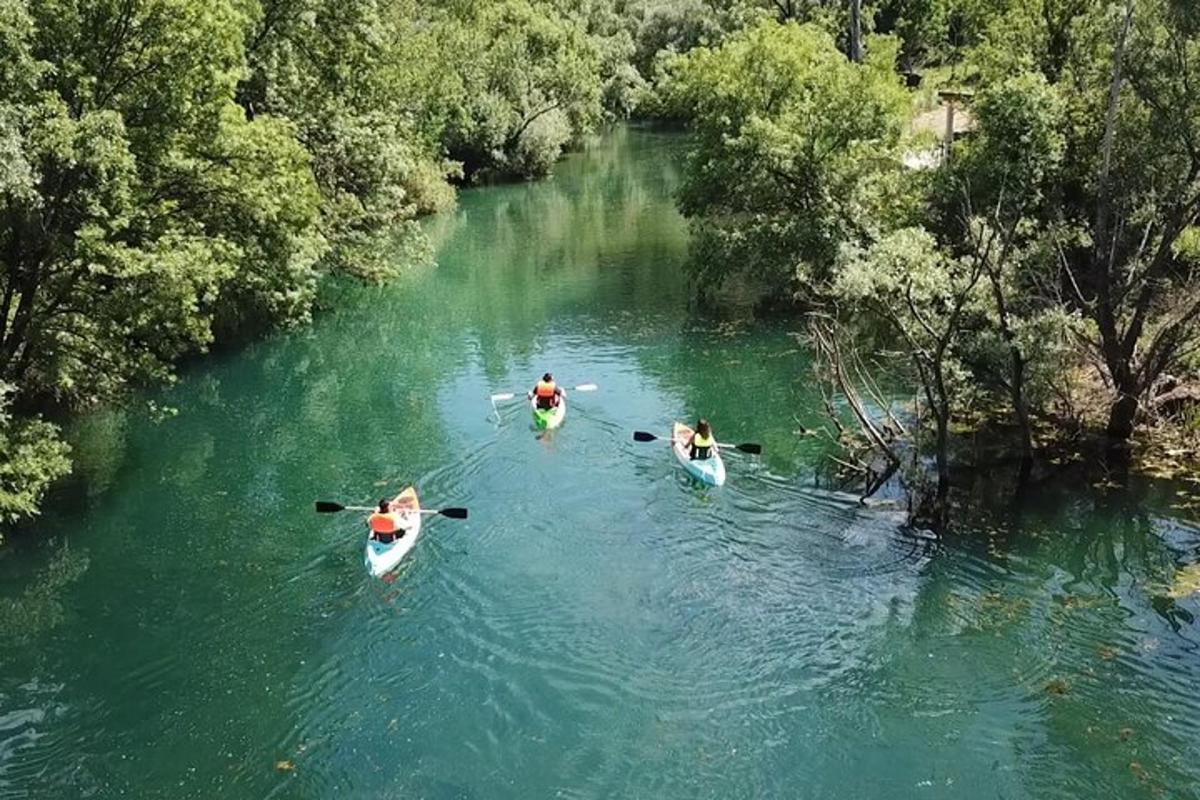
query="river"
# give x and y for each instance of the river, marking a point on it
(182, 624)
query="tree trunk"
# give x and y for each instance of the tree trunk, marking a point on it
(943, 446)
(1021, 405)
(856, 44)
(1121, 417)
(1118, 357)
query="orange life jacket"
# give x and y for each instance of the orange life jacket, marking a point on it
(382, 523)
(546, 389)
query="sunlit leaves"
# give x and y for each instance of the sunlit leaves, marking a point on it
(794, 143)
(525, 82)
(31, 458)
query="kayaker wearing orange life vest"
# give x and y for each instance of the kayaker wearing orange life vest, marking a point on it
(546, 392)
(386, 525)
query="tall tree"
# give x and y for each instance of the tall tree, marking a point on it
(526, 84)
(856, 31)
(795, 153)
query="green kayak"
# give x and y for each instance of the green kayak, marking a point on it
(549, 418)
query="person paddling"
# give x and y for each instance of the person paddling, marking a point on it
(546, 392)
(701, 444)
(386, 525)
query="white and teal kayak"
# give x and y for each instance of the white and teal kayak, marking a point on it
(549, 418)
(383, 558)
(709, 470)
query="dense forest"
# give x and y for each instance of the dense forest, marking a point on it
(181, 174)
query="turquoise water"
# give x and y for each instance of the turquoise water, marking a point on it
(183, 625)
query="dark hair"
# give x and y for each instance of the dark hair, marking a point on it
(547, 377)
(703, 428)
(383, 505)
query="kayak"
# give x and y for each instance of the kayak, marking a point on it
(549, 418)
(383, 558)
(709, 470)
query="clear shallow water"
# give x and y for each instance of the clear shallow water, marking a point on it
(600, 627)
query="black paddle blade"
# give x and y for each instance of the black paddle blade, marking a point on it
(643, 436)
(326, 507)
(754, 449)
(454, 513)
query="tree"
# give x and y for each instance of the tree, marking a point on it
(997, 195)
(1130, 191)
(795, 154)
(31, 458)
(855, 51)
(359, 81)
(138, 209)
(526, 85)
(927, 299)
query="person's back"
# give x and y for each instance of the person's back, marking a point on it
(701, 444)
(385, 524)
(546, 393)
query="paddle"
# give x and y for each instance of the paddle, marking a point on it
(747, 447)
(327, 507)
(505, 396)
(583, 387)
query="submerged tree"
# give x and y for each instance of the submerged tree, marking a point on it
(927, 299)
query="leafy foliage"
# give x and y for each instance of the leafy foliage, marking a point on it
(796, 152)
(31, 458)
(1059, 238)
(527, 85)
(176, 173)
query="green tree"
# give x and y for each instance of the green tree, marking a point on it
(138, 209)
(796, 153)
(997, 195)
(927, 299)
(526, 83)
(1127, 193)
(358, 81)
(31, 458)
(147, 192)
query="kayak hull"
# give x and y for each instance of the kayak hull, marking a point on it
(549, 419)
(380, 558)
(710, 471)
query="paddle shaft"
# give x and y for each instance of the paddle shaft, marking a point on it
(325, 507)
(745, 447)
(583, 387)
(401, 511)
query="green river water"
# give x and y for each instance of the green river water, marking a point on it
(184, 626)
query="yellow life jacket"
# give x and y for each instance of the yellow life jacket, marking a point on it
(701, 441)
